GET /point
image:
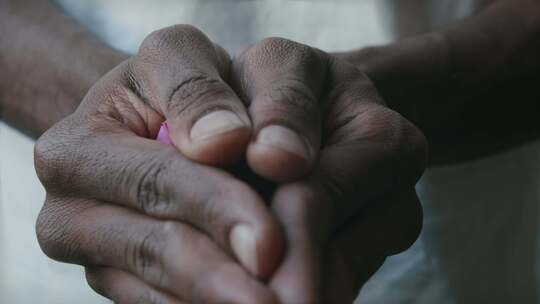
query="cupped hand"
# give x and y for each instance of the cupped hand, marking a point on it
(308, 118)
(355, 203)
(345, 164)
(150, 224)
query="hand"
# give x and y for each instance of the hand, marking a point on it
(351, 163)
(357, 204)
(259, 156)
(149, 224)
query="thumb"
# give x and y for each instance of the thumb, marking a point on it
(182, 73)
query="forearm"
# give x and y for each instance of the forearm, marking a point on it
(47, 63)
(500, 43)
(476, 79)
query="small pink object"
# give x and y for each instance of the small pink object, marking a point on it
(163, 134)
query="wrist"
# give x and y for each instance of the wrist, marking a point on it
(36, 95)
(408, 71)
(47, 64)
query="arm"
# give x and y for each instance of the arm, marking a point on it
(471, 87)
(47, 63)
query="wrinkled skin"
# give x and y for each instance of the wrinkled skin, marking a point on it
(182, 224)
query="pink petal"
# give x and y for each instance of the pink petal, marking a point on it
(163, 135)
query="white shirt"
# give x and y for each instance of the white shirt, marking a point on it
(480, 235)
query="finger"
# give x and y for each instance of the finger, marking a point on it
(166, 255)
(298, 278)
(320, 262)
(369, 151)
(358, 250)
(183, 74)
(282, 81)
(124, 288)
(155, 179)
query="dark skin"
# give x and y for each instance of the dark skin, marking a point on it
(355, 240)
(221, 277)
(471, 88)
(181, 77)
(46, 56)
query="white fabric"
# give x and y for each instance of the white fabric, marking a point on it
(233, 24)
(480, 240)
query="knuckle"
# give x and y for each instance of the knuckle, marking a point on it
(384, 126)
(60, 152)
(294, 97)
(403, 143)
(194, 91)
(144, 253)
(151, 192)
(47, 233)
(275, 51)
(368, 122)
(46, 155)
(281, 46)
(52, 234)
(51, 154)
(172, 39)
(276, 43)
(186, 29)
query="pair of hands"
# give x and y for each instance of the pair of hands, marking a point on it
(186, 223)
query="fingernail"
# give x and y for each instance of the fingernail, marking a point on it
(244, 245)
(285, 139)
(215, 123)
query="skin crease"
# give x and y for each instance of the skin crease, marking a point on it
(82, 66)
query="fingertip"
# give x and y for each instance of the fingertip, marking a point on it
(219, 138)
(259, 251)
(280, 154)
(214, 124)
(275, 164)
(270, 250)
(244, 244)
(221, 150)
